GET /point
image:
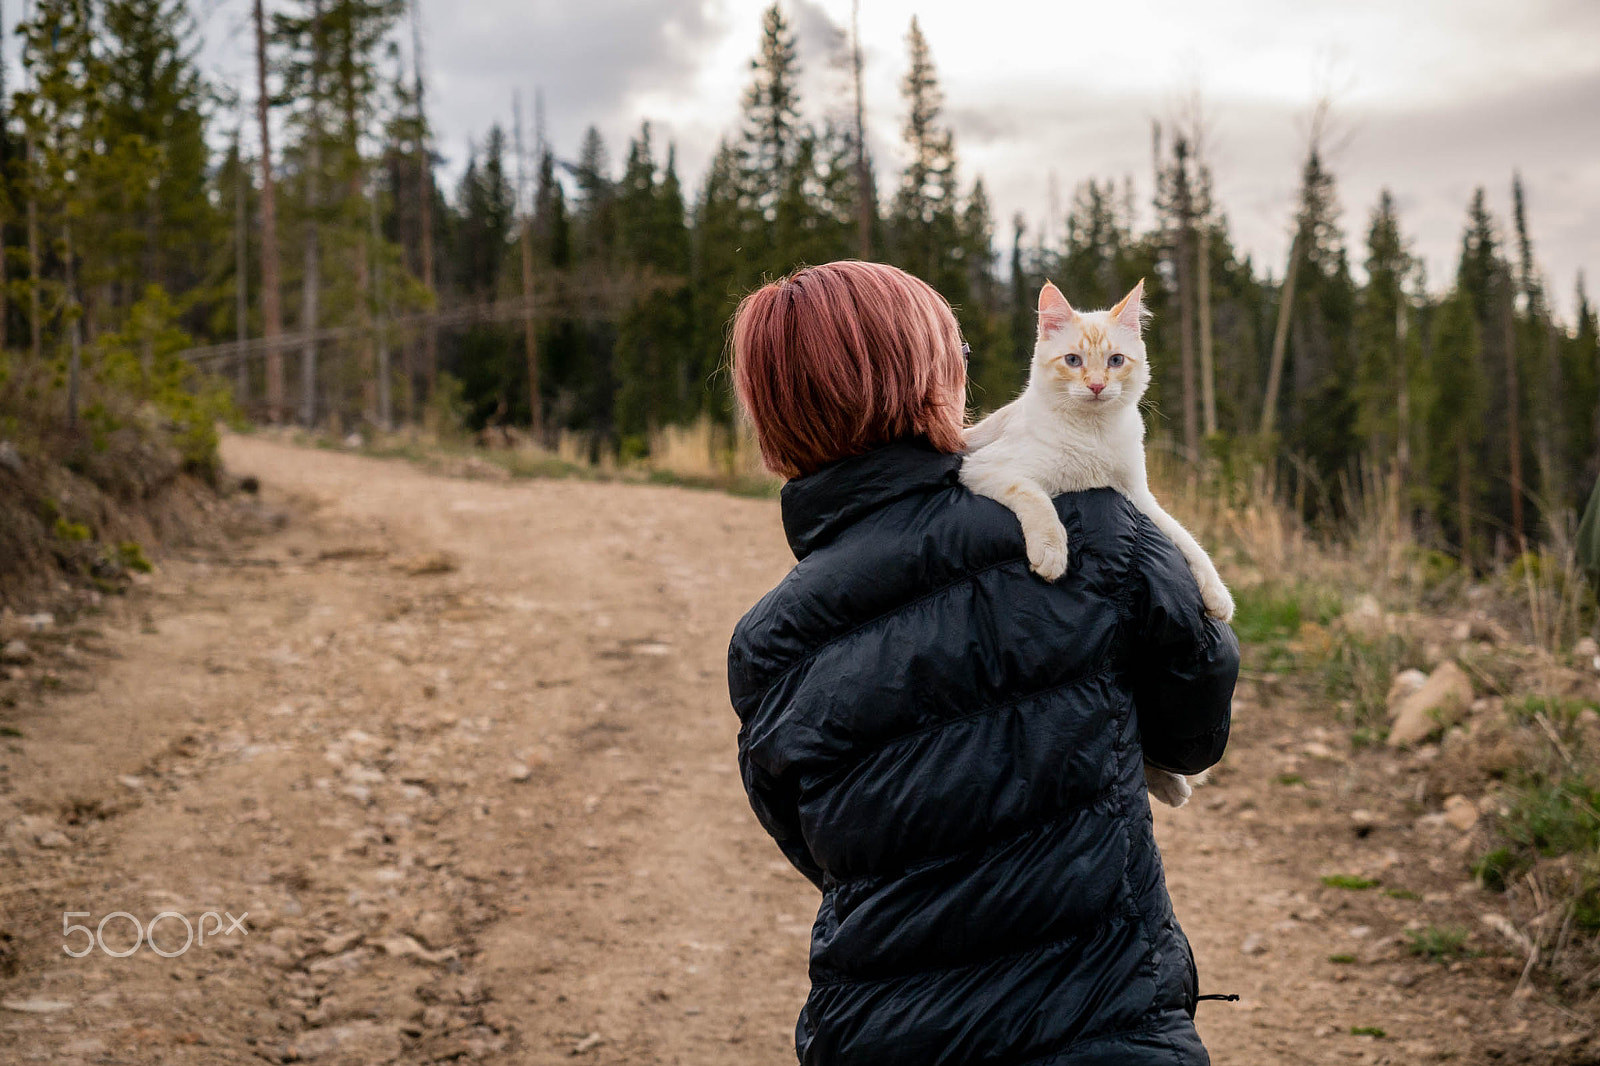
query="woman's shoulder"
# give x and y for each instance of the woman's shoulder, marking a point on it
(901, 555)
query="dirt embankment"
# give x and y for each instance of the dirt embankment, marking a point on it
(460, 752)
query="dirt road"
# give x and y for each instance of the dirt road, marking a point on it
(484, 807)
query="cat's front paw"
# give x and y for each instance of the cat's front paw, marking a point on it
(1170, 788)
(1218, 600)
(1047, 554)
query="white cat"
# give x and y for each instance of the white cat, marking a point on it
(1077, 426)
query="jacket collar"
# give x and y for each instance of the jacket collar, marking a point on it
(819, 506)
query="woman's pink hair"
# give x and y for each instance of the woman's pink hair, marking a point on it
(834, 360)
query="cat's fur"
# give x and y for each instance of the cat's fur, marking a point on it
(1064, 434)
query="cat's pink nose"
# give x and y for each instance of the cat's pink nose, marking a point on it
(1095, 388)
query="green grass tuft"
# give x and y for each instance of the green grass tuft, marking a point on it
(1349, 881)
(1439, 943)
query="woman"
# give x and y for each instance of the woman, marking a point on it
(950, 748)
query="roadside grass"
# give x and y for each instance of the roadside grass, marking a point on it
(1439, 943)
(1352, 882)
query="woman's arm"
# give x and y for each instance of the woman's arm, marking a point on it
(1185, 663)
(775, 804)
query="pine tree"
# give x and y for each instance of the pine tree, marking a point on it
(596, 206)
(487, 205)
(1383, 357)
(70, 180)
(1023, 324)
(772, 133)
(993, 375)
(923, 223)
(1319, 410)
(1540, 370)
(1177, 208)
(154, 99)
(719, 265)
(1455, 425)
(1581, 406)
(652, 358)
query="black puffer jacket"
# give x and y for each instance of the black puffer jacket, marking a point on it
(950, 749)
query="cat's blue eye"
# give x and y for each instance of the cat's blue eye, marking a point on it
(1116, 360)
(1074, 359)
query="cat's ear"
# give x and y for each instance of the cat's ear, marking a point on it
(1054, 311)
(1130, 312)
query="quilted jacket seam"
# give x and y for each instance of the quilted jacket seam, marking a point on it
(1148, 1029)
(990, 844)
(1009, 956)
(864, 753)
(965, 578)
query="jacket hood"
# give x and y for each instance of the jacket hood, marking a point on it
(817, 507)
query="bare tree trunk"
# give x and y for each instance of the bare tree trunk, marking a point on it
(35, 311)
(1402, 450)
(1513, 411)
(74, 331)
(1464, 500)
(1185, 276)
(365, 344)
(430, 334)
(1553, 477)
(529, 325)
(311, 288)
(530, 331)
(385, 397)
(1208, 370)
(1280, 340)
(865, 208)
(241, 270)
(271, 297)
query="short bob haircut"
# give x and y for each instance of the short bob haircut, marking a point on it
(837, 359)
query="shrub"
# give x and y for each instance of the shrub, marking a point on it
(1439, 943)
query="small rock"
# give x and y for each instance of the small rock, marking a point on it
(10, 458)
(428, 563)
(1404, 684)
(1441, 701)
(358, 1042)
(53, 838)
(16, 653)
(1586, 648)
(35, 1005)
(407, 947)
(588, 1043)
(1460, 812)
(130, 781)
(1365, 617)
(433, 929)
(1363, 820)
(520, 772)
(1254, 944)
(339, 943)
(38, 623)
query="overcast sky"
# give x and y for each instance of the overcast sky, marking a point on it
(1432, 97)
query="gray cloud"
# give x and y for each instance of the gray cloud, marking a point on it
(1431, 157)
(591, 58)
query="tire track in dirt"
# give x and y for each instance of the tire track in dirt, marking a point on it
(486, 809)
